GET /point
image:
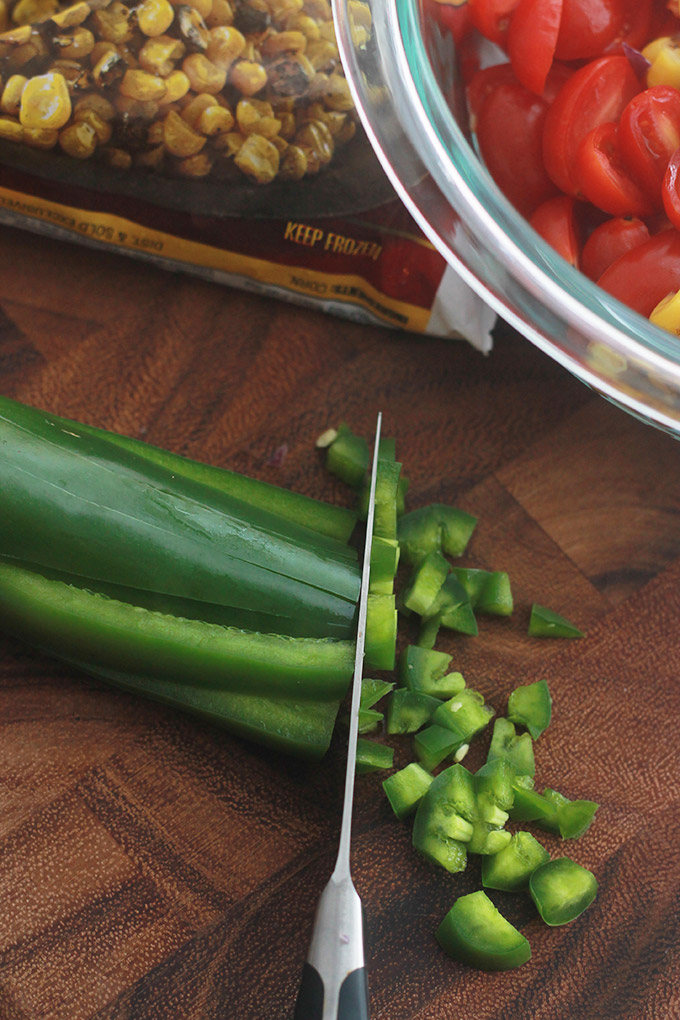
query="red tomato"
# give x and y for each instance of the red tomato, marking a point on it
(604, 179)
(555, 221)
(610, 241)
(453, 17)
(594, 95)
(492, 17)
(649, 134)
(487, 81)
(646, 274)
(509, 133)
(532, 38)
(636, 27)
(671, 189)
(588, 27)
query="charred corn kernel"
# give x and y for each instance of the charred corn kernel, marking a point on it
(289, 76)
(155, 17)
(41, 138)
(256, 117)
(118, 158)
(317, 142)
(17, 36)
(102, 49)
(10, 101)
(72, 16)
(192, 110)
(180, 138)
(225, 45)
(4, 16)
(204, 7)
(665, 69)
(29, 12)
(222, 13)
(192, 28)
(338, 95)
(322, 55)
(97, 104)
(152, 159)
(76, 76)
(280, 143)
(101, 127)
(176, 86)
(77, 45)
(334, 121)
(112, 23)
(78, 140)
(108, 69)
(293, 164)
(284, 42)
(303, 23)
(142, 85)
(229, 143)
(203, 74)
(159, 55)
(346, 132)
(45, 102)
(215, 120)
(288, 124)
(195, 166)
(21, 55)
(258, 159)
(360, 13)
(11, 130)
(666, 315)
(156, 133)
(248, 77)
(327, 31)
(135, 108)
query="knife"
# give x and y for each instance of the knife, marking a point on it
(334, 983)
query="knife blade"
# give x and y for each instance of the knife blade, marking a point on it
(334, 983)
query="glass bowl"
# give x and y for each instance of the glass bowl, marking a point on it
(406, 87)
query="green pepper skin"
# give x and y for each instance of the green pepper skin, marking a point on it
(373, 757)
(562, 890)
(77, 502)
(546, 623)
(531, 706)
(75, 624)
(475, 932)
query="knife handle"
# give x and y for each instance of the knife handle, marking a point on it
(352, 1001)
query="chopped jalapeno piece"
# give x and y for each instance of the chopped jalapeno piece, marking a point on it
(408, 711)
(452, 609)
(511, 869)
(475, 932)
(434, 527)
(546, 623)
(386, 493)
(371, 756)
(562, 890)
(406, 788)
(369, 720)
(517, 749)
(572, 817)
(465, 714)
(347, 456)
(372, 691)
(530, 806)
(495, 791)
(434, 744)
(488, 590)
(381, 632)
(426, 582)
(384, 562)
(424, 670)
(442, 825)
(531, 706)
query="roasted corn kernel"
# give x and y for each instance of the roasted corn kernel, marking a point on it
(229, 143)
(10, 101)
(78, 140)
(40, 138)
(45, 102)
(155, 17)
(72, 16)
(101, 127)
(284, 42)
(11, 130)
(177, 86)
(29, 12)
(142, 85)
(258, 159)
(203, 74)
(248, 77)
(255, 116)
(160, 55)
(77, 45)
(112, 23)
(152, 159)
(221, 14)
(215, 120)
(195, 166)
(118, 158)
(180, 138)
(194, 106)
(97, 103)
(225, 45)
(293, 164)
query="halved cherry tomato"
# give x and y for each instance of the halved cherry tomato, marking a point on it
(588, 27)
(671, 189)
(509, 133)
(609, 242)
(636, 27)
(645, 275)
(492, 17)
(532, 38)
(604, 179)
(594, 95)
(555, 221)
(649, 134)
(486, 81)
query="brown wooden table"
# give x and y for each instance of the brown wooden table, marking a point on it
(154, 867)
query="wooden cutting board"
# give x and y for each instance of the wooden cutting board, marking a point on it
(154, 867)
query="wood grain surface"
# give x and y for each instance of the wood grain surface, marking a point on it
(155, 868)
